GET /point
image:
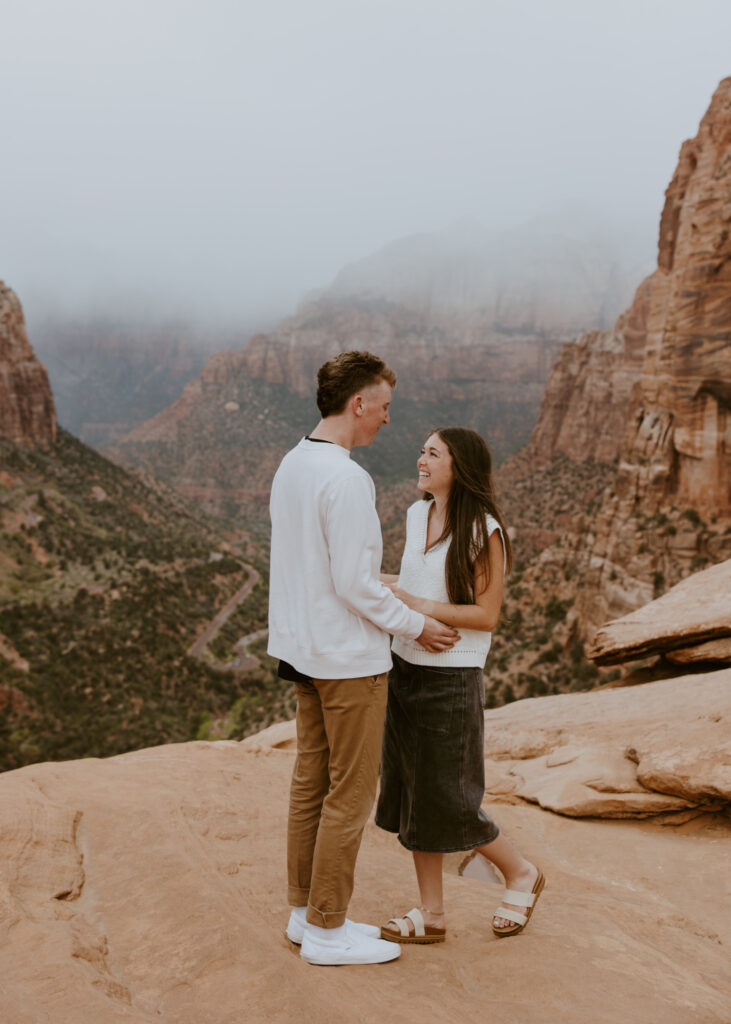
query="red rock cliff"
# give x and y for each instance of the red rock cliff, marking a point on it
(667, 512)
(456, 357)
(584, 407)
(27, 411)
(678, 443)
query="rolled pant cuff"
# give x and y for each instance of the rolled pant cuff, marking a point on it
(329, 919)
(297, 897)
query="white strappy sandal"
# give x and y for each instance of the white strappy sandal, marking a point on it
(520, 899)
(422, 933)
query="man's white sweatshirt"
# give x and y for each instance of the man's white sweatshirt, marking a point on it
(329, 615)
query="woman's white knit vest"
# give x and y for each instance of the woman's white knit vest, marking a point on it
(423, 573)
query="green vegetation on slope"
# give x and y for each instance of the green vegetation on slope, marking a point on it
(105, 581)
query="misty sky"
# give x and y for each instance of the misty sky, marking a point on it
(221, 158)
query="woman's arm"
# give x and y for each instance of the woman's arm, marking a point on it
(488, 588)
(388, 577)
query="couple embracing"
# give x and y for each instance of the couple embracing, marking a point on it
(331, 612)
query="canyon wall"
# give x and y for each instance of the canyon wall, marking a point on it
(109, 374)
(584, 407)
(27, 411)
(678, 444)
(455, 357)
(461, 310)
(667, 512)
(470, 320)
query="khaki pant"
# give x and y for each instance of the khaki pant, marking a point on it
(339, 729)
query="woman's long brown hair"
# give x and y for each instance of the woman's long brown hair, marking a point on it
(471, 497)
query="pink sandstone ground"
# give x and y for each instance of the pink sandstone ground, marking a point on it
(150, 888)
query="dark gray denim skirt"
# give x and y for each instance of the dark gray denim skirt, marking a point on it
(432, 760)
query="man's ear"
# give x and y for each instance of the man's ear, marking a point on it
(356, 404)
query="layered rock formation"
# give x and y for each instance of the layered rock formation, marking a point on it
(434, 355)
(584, 407)
(667, 512)
(692, 621)
(27, 411)
(221, 441)
(470, 322)
(676, 451)
(633, 752)
(678, 446)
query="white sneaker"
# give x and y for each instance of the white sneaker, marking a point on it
(353, 948)
(295, 929)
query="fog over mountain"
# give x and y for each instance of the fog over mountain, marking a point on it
(543, 273)
(217, 161)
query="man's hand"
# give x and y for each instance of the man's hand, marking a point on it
(417, 604)
(436, 637)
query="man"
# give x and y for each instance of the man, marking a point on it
(329, 620)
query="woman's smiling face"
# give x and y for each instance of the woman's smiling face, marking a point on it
(436, 474)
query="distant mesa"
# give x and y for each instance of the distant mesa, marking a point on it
(456, 311)
(109, 375)
(470, 322)
(27, 410)
(536, 277)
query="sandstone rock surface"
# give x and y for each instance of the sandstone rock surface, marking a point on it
(637, 751)
(711, 650)
(27, 411)
(150, 887)
(633, 752)
(695, 610)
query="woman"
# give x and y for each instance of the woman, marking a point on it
(432, 767)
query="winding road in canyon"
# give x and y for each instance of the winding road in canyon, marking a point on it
(196, 649)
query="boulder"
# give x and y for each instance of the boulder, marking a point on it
(695, 610)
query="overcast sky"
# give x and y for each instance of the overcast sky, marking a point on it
(222, 157)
